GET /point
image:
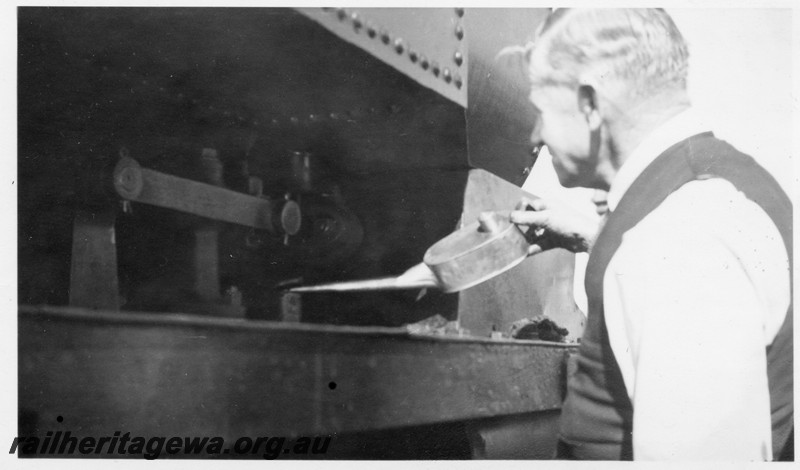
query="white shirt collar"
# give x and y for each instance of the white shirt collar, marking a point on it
(681, 126)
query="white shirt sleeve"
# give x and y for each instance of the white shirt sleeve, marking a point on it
(692, 297)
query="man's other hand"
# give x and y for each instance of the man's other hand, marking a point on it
(554, 225)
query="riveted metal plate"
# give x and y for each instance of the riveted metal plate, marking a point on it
(422, 43)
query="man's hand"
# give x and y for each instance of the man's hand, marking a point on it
(553, 225)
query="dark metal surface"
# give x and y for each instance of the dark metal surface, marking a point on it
(422, 43)
(500, 118)
(455, 53)
(520, 437)
(254, 86)
(257, 86)
(93, 271)
(160, 374)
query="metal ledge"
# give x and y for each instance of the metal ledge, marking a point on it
(179, 375)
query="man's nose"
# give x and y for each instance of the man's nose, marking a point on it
(536, 134)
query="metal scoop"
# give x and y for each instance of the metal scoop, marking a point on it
(465, 258)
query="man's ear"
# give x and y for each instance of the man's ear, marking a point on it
(587, 105)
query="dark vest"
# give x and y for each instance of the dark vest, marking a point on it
(597, 416)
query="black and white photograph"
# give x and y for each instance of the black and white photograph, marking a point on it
(416, 232)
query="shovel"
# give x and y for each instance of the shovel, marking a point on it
(463, 259)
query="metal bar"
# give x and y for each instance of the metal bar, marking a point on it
(364, 285)
(93, 274)
(159, 189)
(417, 277)
(206, 264)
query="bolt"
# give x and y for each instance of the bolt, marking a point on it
(290, 218)
(458, 58)
(412, 54)
(371, 30)
(341, 13)
(423, 62)
(460, 12)
(435, 68)
(446, 75)
(457, 80)
(460, 32)
(385, 36)
(129, 179)
(399, 46)
(356, 21)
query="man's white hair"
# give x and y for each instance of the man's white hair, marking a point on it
(640, 47)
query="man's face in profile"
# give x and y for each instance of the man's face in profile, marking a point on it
(565, 130)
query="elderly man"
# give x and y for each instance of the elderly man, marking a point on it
(687, 351)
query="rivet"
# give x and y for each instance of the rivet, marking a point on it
(356, 21)
(460, 32)
(385, 36)
(435, 68)
(423, 62)
(334, 116)
(294, 120)
(460, 12)
(446, 75)
(341, 13)
(399, 46)
(412, 54)
(457, 80)
(371, 30)
(458, 58)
